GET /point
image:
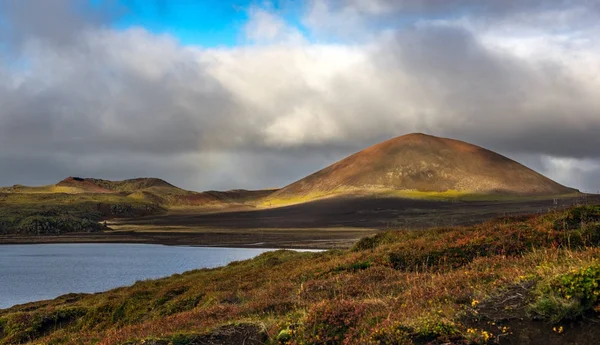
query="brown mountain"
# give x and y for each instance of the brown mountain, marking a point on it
(420, 164)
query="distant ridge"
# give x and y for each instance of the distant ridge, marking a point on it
(423, 164)
(95, 185)
(148, 189)
(145, 189)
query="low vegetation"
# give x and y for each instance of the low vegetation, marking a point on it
(530, 279)
(57, 213)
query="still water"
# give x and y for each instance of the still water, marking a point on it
(37, 272)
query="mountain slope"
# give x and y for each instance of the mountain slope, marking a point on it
(424, 164)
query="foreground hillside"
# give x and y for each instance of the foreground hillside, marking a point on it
(422, 166)
(527, 280)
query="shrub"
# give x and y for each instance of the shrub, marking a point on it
(331, 322)
(170, 294)
(570, 295)
(182, 339)
(432, 327)
(284, 336)
(576, 216)
(583, 284)
(373, 242)
(23, 327)
(46, 225)
(353, 267)
(449, 257)
(391, 333)
(183, 304)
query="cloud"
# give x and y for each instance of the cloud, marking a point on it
(56, 22)
(265, 27)
(575, 171)
(469, 88)
(87, 99)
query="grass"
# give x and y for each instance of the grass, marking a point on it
(284, 200)
(569, 295)
(449, 195)
(276, 201)
(456, 284)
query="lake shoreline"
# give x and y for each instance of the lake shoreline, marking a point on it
(270, 239)
(41, 272)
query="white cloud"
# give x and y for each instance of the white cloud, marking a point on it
(265, 27)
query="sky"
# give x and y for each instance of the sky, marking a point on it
(256, 94)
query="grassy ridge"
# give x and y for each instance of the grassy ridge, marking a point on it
(78, 204)
(473, 285)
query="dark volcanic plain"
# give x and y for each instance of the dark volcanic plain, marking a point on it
(323, 224)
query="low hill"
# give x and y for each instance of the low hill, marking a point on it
(78, 185)
(94, 185)
(157, 191)
(423, 165)
(78, 204)
(152, 190)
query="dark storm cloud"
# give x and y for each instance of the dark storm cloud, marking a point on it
(101, 99)
(483, 95)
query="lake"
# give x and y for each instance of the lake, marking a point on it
(45, 271)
